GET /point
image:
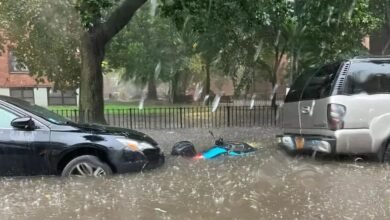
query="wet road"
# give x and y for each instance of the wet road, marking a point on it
(265, 185)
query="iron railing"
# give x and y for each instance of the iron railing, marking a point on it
(188, 117)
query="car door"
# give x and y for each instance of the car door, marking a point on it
(291, 121)
(315, 97)
(15, 151)
(41, 150)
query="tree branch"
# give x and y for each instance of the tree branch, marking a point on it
(120, 18)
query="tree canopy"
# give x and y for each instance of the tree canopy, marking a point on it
(44, 35)
(263, 31)
(67, 41)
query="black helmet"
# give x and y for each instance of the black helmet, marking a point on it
(184, 148)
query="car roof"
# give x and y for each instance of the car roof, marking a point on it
(12, 100)
(371, 58)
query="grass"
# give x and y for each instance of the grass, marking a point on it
(108, 106)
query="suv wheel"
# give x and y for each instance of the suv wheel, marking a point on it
(86, 165)
(385, 154)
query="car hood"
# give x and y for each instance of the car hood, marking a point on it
(107, 130)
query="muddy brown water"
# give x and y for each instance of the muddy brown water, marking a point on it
(266, 185)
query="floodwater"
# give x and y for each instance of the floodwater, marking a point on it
(266, 185)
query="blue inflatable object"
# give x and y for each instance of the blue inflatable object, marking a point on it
(220, 148)
(229, 149)
(214, 152)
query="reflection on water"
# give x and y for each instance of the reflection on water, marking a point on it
(265, 185)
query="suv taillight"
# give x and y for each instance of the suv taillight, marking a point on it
(336, 113)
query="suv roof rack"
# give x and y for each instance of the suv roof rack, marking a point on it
(372, 57)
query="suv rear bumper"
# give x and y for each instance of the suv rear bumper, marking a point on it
(310, 143)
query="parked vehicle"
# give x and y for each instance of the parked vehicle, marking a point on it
(36, 141)
(340, 108)
(220, 148)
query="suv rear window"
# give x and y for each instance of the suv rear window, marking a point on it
(314, 84)
(320, 85)
(369, 77)
(294, 95)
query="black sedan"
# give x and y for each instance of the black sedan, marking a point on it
(36, 141)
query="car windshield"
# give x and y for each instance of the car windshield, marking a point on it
(41, 112)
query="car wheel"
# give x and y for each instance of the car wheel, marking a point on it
(86, 165)
(386, 154)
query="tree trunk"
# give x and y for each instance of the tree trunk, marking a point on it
(274, 106)
(93, 42)
(91, 88)
(208, 78)
(152, 89)
(274, 80)
(296, 66)
(174, 87)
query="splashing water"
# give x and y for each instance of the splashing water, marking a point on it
(153, 8)
(252, 105)
(322, 52)
(157, 70)
(312, 107)
(216, 103)
(198, 92)
(206, 98)
(274, 92)
(258, 50)
(143, 98)
(141, 103)
(278, 112)
(269, 184)
(351, 9)
(331, 9)
(323, 46)
(277, 38)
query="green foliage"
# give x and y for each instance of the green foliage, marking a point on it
(243, 39)
(255, 35)
(149, 44)
(45, 36)
(93, 11)
(152, 49)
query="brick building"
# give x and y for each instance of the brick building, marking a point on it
(380, 41)
(16, 81)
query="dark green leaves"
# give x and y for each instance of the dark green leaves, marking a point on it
(92, 11)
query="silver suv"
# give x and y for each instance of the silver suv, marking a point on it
(341, 108)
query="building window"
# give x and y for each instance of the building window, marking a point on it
(26, 94)
(62, 98)
(15, 66)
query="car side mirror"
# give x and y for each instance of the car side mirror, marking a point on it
(23, 123)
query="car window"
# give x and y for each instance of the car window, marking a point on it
(6, 118)
(295, 92)
(369, 77)
(40, 111)
(320, 85)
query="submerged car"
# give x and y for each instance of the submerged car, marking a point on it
(340, 108)
(36, 141)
